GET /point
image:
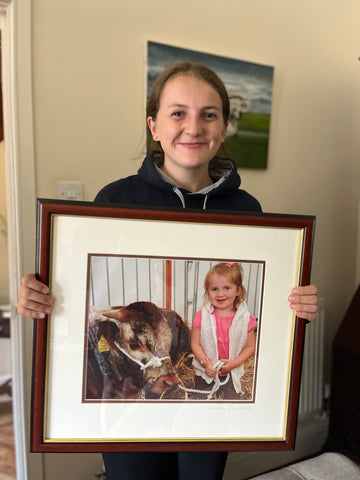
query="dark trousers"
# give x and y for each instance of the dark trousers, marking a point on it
(165, 466)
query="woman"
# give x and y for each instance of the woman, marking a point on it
(187, 114)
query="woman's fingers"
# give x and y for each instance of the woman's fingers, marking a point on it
(304, 300)
(34, 301)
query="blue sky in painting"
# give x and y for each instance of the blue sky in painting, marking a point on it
(253, 81)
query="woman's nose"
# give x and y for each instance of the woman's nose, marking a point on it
(194, 126)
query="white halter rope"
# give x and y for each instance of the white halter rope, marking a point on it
(216, 386)
(157, 362)
(153, 362)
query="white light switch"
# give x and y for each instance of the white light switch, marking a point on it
(70, 191)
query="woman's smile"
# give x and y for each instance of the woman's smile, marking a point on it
(192, 146)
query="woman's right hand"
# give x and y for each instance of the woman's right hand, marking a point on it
(34, 299)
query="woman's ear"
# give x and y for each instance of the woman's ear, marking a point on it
(152, 127)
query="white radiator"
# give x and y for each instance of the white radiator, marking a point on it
(312, 378)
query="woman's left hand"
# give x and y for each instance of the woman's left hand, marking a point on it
(304, 301)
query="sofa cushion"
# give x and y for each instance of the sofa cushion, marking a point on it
(327, 466)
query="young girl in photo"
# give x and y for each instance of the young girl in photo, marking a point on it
(223, 336)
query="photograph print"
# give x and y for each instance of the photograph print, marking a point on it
(171, 329)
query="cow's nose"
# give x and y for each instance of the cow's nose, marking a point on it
(163, 383)
(169, 382)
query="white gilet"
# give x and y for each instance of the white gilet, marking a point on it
(238, 333)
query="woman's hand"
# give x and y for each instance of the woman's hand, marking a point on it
(34, 299)
(304, 301)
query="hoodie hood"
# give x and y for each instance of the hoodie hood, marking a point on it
(222, 171)
(152, 187)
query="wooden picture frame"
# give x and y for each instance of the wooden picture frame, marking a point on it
(70, 235)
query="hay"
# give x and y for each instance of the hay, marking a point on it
(247, 379)
(185, 370)
(186, 374)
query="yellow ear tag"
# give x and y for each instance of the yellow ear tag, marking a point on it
(103, 345)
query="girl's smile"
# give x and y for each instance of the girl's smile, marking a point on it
(190, 128)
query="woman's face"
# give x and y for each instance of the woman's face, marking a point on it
(189, 123)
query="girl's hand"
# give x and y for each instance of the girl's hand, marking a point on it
(304, 301)
(228, 366)
(34, 299)
(209, 369)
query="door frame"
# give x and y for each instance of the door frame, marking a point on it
(15, 25)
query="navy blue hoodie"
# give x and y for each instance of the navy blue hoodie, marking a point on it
(152, 188)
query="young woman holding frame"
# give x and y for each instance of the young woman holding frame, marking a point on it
(187, 114)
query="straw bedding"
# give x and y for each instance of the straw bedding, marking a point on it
(189, 380)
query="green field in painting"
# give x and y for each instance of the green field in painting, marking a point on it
(249, 146)
(256, 122)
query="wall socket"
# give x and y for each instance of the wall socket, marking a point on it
(70, 190)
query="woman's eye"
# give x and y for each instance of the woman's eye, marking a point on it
(210, 115)
(177, 114)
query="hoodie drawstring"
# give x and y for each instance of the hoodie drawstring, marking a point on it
(181, 196)
(205, 201)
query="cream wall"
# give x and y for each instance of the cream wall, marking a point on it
(4, 274)
(89, 90)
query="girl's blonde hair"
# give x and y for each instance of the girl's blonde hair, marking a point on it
(234, 273)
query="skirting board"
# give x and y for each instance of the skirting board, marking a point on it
(311, 436)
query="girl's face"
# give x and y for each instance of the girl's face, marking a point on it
(189, 123)
(222, 293)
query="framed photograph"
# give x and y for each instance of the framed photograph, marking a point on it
(171, 329)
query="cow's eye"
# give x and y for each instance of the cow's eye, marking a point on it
(135, 344)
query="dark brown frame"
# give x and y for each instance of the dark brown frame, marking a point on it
(46, 210)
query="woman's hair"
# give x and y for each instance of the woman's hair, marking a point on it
(197, 70)
(234, 273)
